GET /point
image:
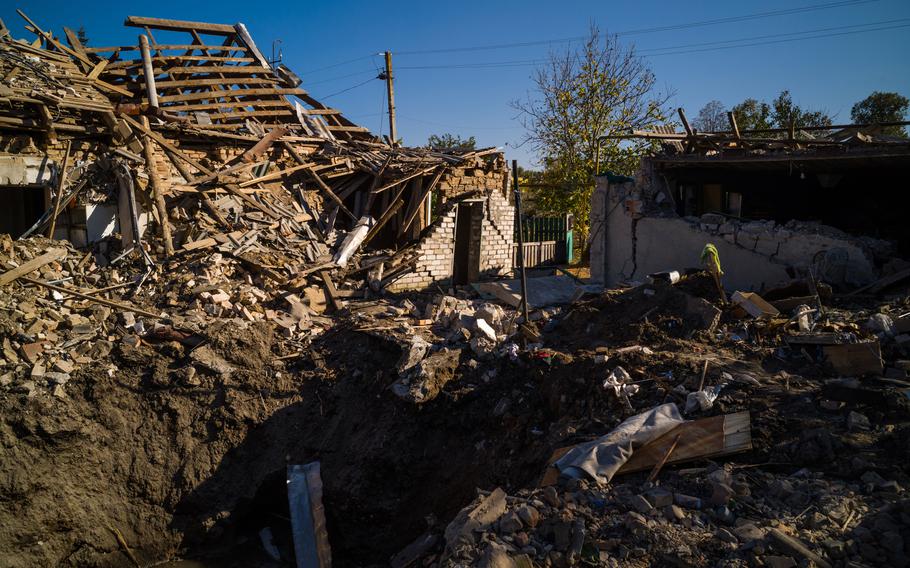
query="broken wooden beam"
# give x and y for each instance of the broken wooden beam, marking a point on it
(32, 265)
(84, 296)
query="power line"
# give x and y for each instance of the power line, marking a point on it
(462, 127)
(348, 89)
(311, 83)
(731, 19)
(337, 64)
(478, 65)
(769, 36)
(680, 49)
(821, 36)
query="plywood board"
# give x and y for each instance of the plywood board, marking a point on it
(855, 359)
(699, 439)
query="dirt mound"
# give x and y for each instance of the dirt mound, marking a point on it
(651, 314)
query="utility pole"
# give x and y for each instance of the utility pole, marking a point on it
(393, 133)
(521, 247)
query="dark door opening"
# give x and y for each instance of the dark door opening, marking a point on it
(467, 253)
(22, 206)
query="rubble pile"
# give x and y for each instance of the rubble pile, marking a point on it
(233, 316)
(690, 518)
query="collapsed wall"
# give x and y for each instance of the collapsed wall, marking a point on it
(489, 237)
(635, 231)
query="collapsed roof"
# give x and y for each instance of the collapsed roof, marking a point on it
(226, 150)
(816, 146)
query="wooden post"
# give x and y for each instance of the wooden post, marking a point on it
(733, 126)
(393, 132)
(150, 90)
(59, 197)
(521, 247)
(157, 194)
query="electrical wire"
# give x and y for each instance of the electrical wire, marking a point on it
(311, 83)
(332, 66)
(769, 36)
(821, 36)
(459, 127)
(681, 49)
(348, 89)
(716, 21)
(731, 19)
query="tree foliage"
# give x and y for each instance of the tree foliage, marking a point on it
(785, 112)
(600, 88)
(712, 117)
(82, 36)
(752, 114)
(448, 141)
(882, 107)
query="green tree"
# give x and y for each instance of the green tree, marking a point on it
(784, 112)
(82, 36)
(882, 107)
(602, 88)
(752, 114)
(448, 141)
(711, 118)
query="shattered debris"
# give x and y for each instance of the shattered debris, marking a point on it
(238, 283)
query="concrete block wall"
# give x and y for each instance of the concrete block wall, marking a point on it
(632, 235)
(497, 235)
(436, 253)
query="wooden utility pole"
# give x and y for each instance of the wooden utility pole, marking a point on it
(393, 132)
(521, 247)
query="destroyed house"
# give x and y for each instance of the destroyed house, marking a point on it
(190, 140)
(777, 204)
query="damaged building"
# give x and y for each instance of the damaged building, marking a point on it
(238, 329)
(776, 205)
(190, 140)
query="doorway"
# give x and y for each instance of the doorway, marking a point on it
(23, 205)
(468, 223)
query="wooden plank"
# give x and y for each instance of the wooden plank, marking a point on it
(84, 296)
(714, 436)
(214, 240)
(223, 69)
(247, 40)
(244, 114)
(320, 111)
(330, 291)
(335, 128)
(263, 145)
(404, 179)
(170, 84)
(419, 203)
(176, 58)
(328, 191)
(59, 196)
(883, 283)
(190, 47)
(855, 359)
(32, 265)
(229, 93)
(96, 71)
(157, 185)
(178, 25)
(276, 175)
(166, 145)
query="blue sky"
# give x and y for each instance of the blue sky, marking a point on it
(472, 98)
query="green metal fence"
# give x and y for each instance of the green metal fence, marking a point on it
(546, 230)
